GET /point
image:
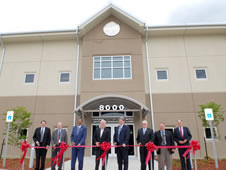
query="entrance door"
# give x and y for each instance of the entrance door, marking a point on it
(112, 128)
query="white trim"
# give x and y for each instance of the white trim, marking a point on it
(112, 68)
(209, 139)
(65, 72)
(112, 116)
(167, 74)
(28, 73)
(201, 68)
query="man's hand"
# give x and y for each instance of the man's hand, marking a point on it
(173, 150)
(115, 143)
(37, 143)
(124, 145)
(98, 143)
(79, 144)
(47, 147)
(73, 143)
(181, 142)
(185, 140)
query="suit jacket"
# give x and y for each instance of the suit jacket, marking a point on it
(147, 137)
(169, 140)
(186, 135)
(63, 136)
(123, 136)
(46, 137)
(79, 138)
(106, 136)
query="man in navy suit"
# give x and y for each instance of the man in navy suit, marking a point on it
(78, 138)
(121, 137)
(182, 136)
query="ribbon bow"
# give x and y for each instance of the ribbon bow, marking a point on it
(63, 147)
(105, 146)
(24, 146)
(150, 147)
(194, 146)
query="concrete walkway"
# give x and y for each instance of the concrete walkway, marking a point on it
(89, 164)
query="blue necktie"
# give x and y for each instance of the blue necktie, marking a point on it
(119, 131)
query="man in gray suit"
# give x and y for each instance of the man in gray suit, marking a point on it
(59, 135)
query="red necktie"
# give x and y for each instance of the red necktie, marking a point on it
(181, 134)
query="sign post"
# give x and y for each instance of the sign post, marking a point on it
(209, 117)
(9, 119)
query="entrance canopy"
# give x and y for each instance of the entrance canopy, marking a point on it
(111, 102)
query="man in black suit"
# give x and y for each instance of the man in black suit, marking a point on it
(41, 137)
(144, 136)
(101, 135)
(164, 138)
(182, 137)
(121, 137)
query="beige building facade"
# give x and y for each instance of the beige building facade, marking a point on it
(113, 65)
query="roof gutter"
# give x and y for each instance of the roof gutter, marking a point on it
(3, 53)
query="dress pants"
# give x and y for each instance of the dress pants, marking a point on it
(122, 158)
(165, 158)
(77, 153)
(40, 155)
(54, 154)
(184, 162)
(143, 154)
(99, 152)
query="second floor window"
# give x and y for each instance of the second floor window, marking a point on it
(112, 67)
(64, 77)
(29, 78)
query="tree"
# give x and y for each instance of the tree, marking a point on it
(21, 121)
(217, 113)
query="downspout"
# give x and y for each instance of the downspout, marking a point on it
(77, 74)
(3, 53)
(149, 78)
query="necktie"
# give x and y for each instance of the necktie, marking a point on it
(181, 134)
(58, 137)
(119, 131)
(42, 134)
(78, 128)
(144, 131)
(163, 138)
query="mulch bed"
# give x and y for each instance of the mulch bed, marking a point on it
(14, 164)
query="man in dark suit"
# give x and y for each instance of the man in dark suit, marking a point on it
(144, 136)
(182, 137)
(78, 138)
(41, 137)
(121, 137)
(164, 138)
(59, 135)
(101, 135)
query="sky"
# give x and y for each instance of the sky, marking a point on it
(43, 15)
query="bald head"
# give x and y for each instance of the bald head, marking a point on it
(144, 123)
(102, 124)
(59, 125)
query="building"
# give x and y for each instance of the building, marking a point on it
(114, 65)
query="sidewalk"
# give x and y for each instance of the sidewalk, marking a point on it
(89, 164)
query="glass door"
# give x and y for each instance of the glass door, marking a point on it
(112, 128)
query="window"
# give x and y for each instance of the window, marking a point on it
(29, 78)
(200, 74)
(112, 67)
(170, 129)
(64, 77)
(113, 114)
(162, 74)
(22, 134)
(207, 132)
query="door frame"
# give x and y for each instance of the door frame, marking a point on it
(112, 130)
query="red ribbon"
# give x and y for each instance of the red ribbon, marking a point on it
(63, 147)
(24, 146)
(194, 146)
(105, 147)
(150, 147)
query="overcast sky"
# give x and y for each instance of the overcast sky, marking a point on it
(40, 15)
